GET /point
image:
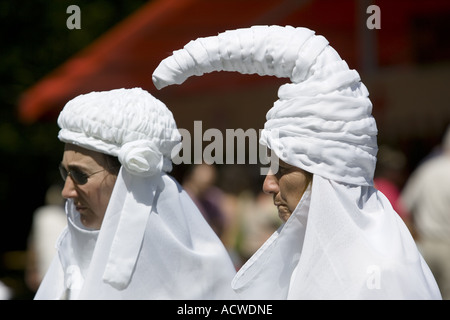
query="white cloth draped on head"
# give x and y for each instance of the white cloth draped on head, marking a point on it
(153, 243)
(344, 240)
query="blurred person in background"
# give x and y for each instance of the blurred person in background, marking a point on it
(341, 238)
(5, 292)
(200, 183)
(251, 217)
(132, 231)
(426, 196)
(390, 177)
(48, 223)
(241, 219)
(258, 220)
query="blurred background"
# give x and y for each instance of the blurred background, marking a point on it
(405, 64)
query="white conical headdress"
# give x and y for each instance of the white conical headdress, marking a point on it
(322, 121)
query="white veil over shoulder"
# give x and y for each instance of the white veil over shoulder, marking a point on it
(344, 240)
(153, 243)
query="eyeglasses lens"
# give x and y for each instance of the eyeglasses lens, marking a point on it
(78, 177)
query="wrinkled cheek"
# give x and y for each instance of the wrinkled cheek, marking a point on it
(284, 213)
(294, 202)
(293, 196)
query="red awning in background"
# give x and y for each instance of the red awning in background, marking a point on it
(127, 54)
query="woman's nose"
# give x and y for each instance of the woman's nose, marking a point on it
(270, 185)
(69, 190)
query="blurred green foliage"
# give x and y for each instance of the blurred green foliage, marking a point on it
(34, 41)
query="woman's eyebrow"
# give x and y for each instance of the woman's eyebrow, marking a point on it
(77, 167)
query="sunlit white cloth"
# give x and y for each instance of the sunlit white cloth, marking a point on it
(5, 292)
(341, 242)
(153, 243)
(344, 240)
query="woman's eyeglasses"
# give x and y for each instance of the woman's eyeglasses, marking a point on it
(78, 176)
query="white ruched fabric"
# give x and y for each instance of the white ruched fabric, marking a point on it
(344, 240)
(153, 242)
(127, 123)
(141, 156)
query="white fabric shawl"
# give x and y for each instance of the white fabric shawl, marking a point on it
(180, 256)
(153, 243)
(344, 240)
(341, 242)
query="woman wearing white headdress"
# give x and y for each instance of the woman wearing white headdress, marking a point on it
(133, 232)
(341, 238)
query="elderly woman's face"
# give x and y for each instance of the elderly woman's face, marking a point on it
(91, 198)
(287, 187)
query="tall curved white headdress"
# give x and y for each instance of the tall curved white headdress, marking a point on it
(322, 121)
(343, 230)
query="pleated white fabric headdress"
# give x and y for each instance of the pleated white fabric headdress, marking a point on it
(344, 240)
(130, 124)
(153, 243)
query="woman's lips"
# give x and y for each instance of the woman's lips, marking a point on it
(278, 204)
(80, 208)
